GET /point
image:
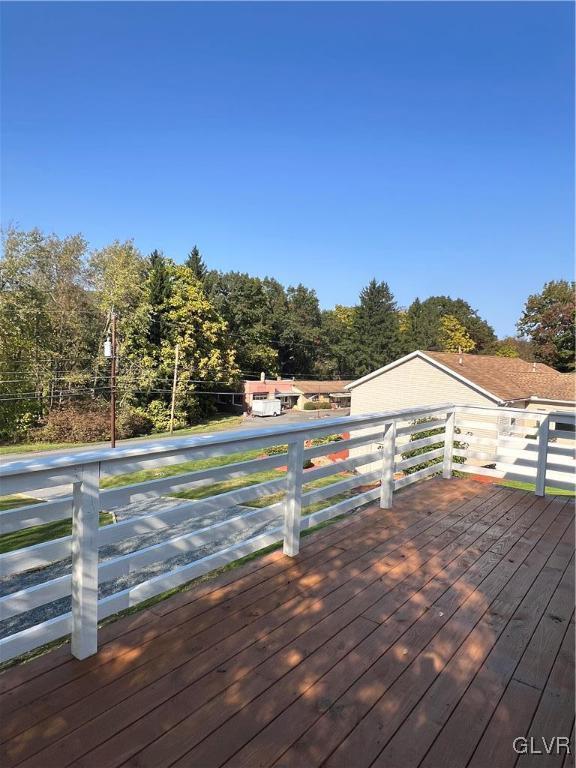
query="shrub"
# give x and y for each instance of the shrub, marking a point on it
(83, 423)
(420, 451)
(133, 422)
(276, 450)
(159, 414)
(326, 440)
(318, 405)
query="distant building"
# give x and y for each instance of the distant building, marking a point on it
(295, 394)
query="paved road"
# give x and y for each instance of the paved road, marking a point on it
(269, 422)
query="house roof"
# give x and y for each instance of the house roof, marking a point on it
(501, 378)
(320, 387)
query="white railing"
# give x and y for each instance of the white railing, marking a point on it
(513, 444)
(386, 452)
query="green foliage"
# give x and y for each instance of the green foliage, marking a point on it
(420, 451)
(159, 290)
(513, 346)
(423, 325)
(376, 329)
(453, 335)
(276, 450)
(326, 440)
(158, 415)
(548, 321)
(317, 405)
(337, 342)
(132, 422)
(196, 265)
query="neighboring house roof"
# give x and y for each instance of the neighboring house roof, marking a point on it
(320, 387)
(500, 378)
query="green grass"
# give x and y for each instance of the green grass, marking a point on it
(521, 485)
(217, 424)
(177, 469)
(27, 537)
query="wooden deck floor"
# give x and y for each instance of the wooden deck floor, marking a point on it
(429, 635)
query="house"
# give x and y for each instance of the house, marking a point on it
(440, 377)
(312, 391)
(428, 378)
(295, 394)
(266, 389)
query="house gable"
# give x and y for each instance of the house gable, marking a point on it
(421, 362)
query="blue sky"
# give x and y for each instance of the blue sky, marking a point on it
(426, 144)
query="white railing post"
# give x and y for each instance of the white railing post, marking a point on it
(86, 508)
(543, 430)
(293, 501)
(388, 456)
(448, 445)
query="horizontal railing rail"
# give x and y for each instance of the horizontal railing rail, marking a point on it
(210, 516)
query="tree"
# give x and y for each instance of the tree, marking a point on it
(453, 336)
(338, 342)
(196, 264)
(548, 321)
(49, 323)
(424, 321)
(514, 346)
(159, 289)
(241, 300)
(300, 334)
(376, 329)
(207, 356)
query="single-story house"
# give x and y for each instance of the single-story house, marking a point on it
(312, 391)
(426, 378)
(429, 378)
(295, 394)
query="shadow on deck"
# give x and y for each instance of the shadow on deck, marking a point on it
(432, 634)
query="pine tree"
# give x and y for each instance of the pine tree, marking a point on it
(377, 329)
(196, 263)
(158, 294)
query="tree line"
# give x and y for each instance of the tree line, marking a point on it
(57, 298)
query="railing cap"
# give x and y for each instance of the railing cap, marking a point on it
(166, 446)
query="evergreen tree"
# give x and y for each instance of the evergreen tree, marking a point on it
(196, 264)
(376, 329)
(159, 291)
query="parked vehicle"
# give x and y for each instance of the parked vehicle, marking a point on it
(266, 407)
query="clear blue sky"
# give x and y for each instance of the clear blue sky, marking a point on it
(426, 144)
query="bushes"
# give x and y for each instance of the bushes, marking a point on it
(159, 414)
(90, 422)
(318, 405)
(133, 422)
(85, 423)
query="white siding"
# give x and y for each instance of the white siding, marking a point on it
(413, 383)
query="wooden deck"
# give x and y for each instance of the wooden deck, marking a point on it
(429, 635)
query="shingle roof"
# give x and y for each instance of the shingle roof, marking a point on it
(510, 378)
(319, 387)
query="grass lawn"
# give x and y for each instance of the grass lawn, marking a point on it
(27, 537)
(177, 469)
(217, 424)
(532, 487)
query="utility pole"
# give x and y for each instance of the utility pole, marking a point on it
(110, 351)
(174, 382)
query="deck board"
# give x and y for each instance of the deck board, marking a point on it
(388, 634)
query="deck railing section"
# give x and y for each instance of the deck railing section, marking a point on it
(530, 447)
(383, 453)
